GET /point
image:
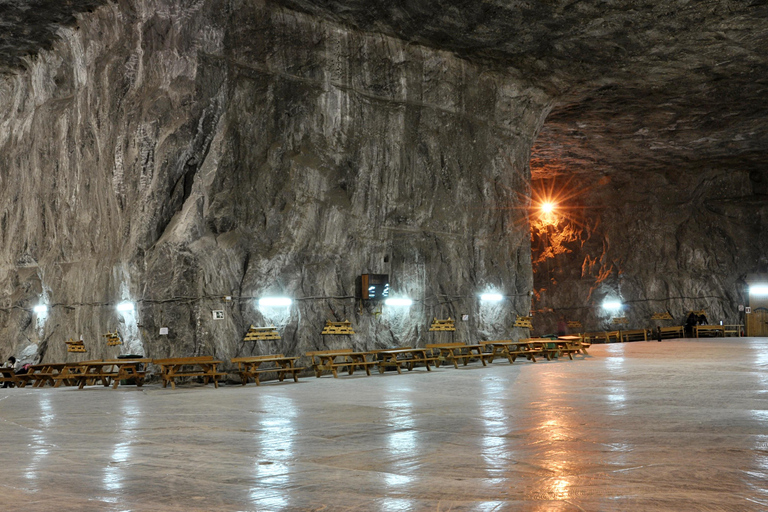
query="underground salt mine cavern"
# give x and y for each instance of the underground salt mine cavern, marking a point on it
(346, 255)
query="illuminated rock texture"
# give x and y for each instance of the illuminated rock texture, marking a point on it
(172, 155)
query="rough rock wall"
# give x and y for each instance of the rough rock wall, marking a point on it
(173, 153)
(655, 242)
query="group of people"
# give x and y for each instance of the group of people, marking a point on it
(692, 321)
(11, 363)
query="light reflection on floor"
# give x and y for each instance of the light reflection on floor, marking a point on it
(677, 425)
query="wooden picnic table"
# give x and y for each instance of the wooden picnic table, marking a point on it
(576, 341)
(43, 373)
(332, 360)
(111, 371)
(404, 356)
(545, 346)
(251, 367)
(202, 366)
(67, 374)
(453, 352)
(510, 349)
(8, 375)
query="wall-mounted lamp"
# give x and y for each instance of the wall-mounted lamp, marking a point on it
(275, 302)
(403, 302)
(125, 307)
(758, 289)
(40, 309)
(612, 305)
(491, 297)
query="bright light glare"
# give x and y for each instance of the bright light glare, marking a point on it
(758, 289)
(611, 305)
(491, 297)
(280, 302)
(547, 207)
(125, 307)
(403, 302)
(41, 309)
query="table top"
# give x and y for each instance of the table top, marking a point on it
(179, 361)
(569, 337)
(52, 366)
(337, 354)
(262, 359)
(505, 343)
(115, 362)
(402, 350)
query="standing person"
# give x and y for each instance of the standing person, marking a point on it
(689, 323)
(562, 327)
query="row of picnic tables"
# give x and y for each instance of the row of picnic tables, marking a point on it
(112, 372)
(436, 354)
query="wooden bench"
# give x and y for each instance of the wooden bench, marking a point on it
(250, 367)
(8, 375)
(455, 352)
(676, 331)
(328, 360)
(709, 329)
(510, 349)
(613, 335)
(577, 341)
(175, 367)
(733, 330)
(595, 337)
(408, 357)
(542, 345)
(112, 371)
(67, 374)
(634, 335)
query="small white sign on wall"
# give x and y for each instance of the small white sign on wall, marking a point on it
(741, 307)
(464, 318)
(747, 310)
(218, 314)
(163, 331)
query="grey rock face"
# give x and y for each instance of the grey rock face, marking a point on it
(656, 244)
(173, 154)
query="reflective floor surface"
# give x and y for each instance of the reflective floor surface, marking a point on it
(646, 426)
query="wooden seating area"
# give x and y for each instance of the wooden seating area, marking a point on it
(408, 357)
(511, 350)
(251, 367)
(332, 360)
(455, 352)
(634, 335)
(176, 367)
(676, 331)
(8, 375)
(111, 372)
(709, 330)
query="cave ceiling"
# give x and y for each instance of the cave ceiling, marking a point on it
(651, 86)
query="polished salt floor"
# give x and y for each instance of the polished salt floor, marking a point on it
(646, 426)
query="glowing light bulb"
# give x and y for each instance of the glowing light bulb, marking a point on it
(547, 207)
(275, 302)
